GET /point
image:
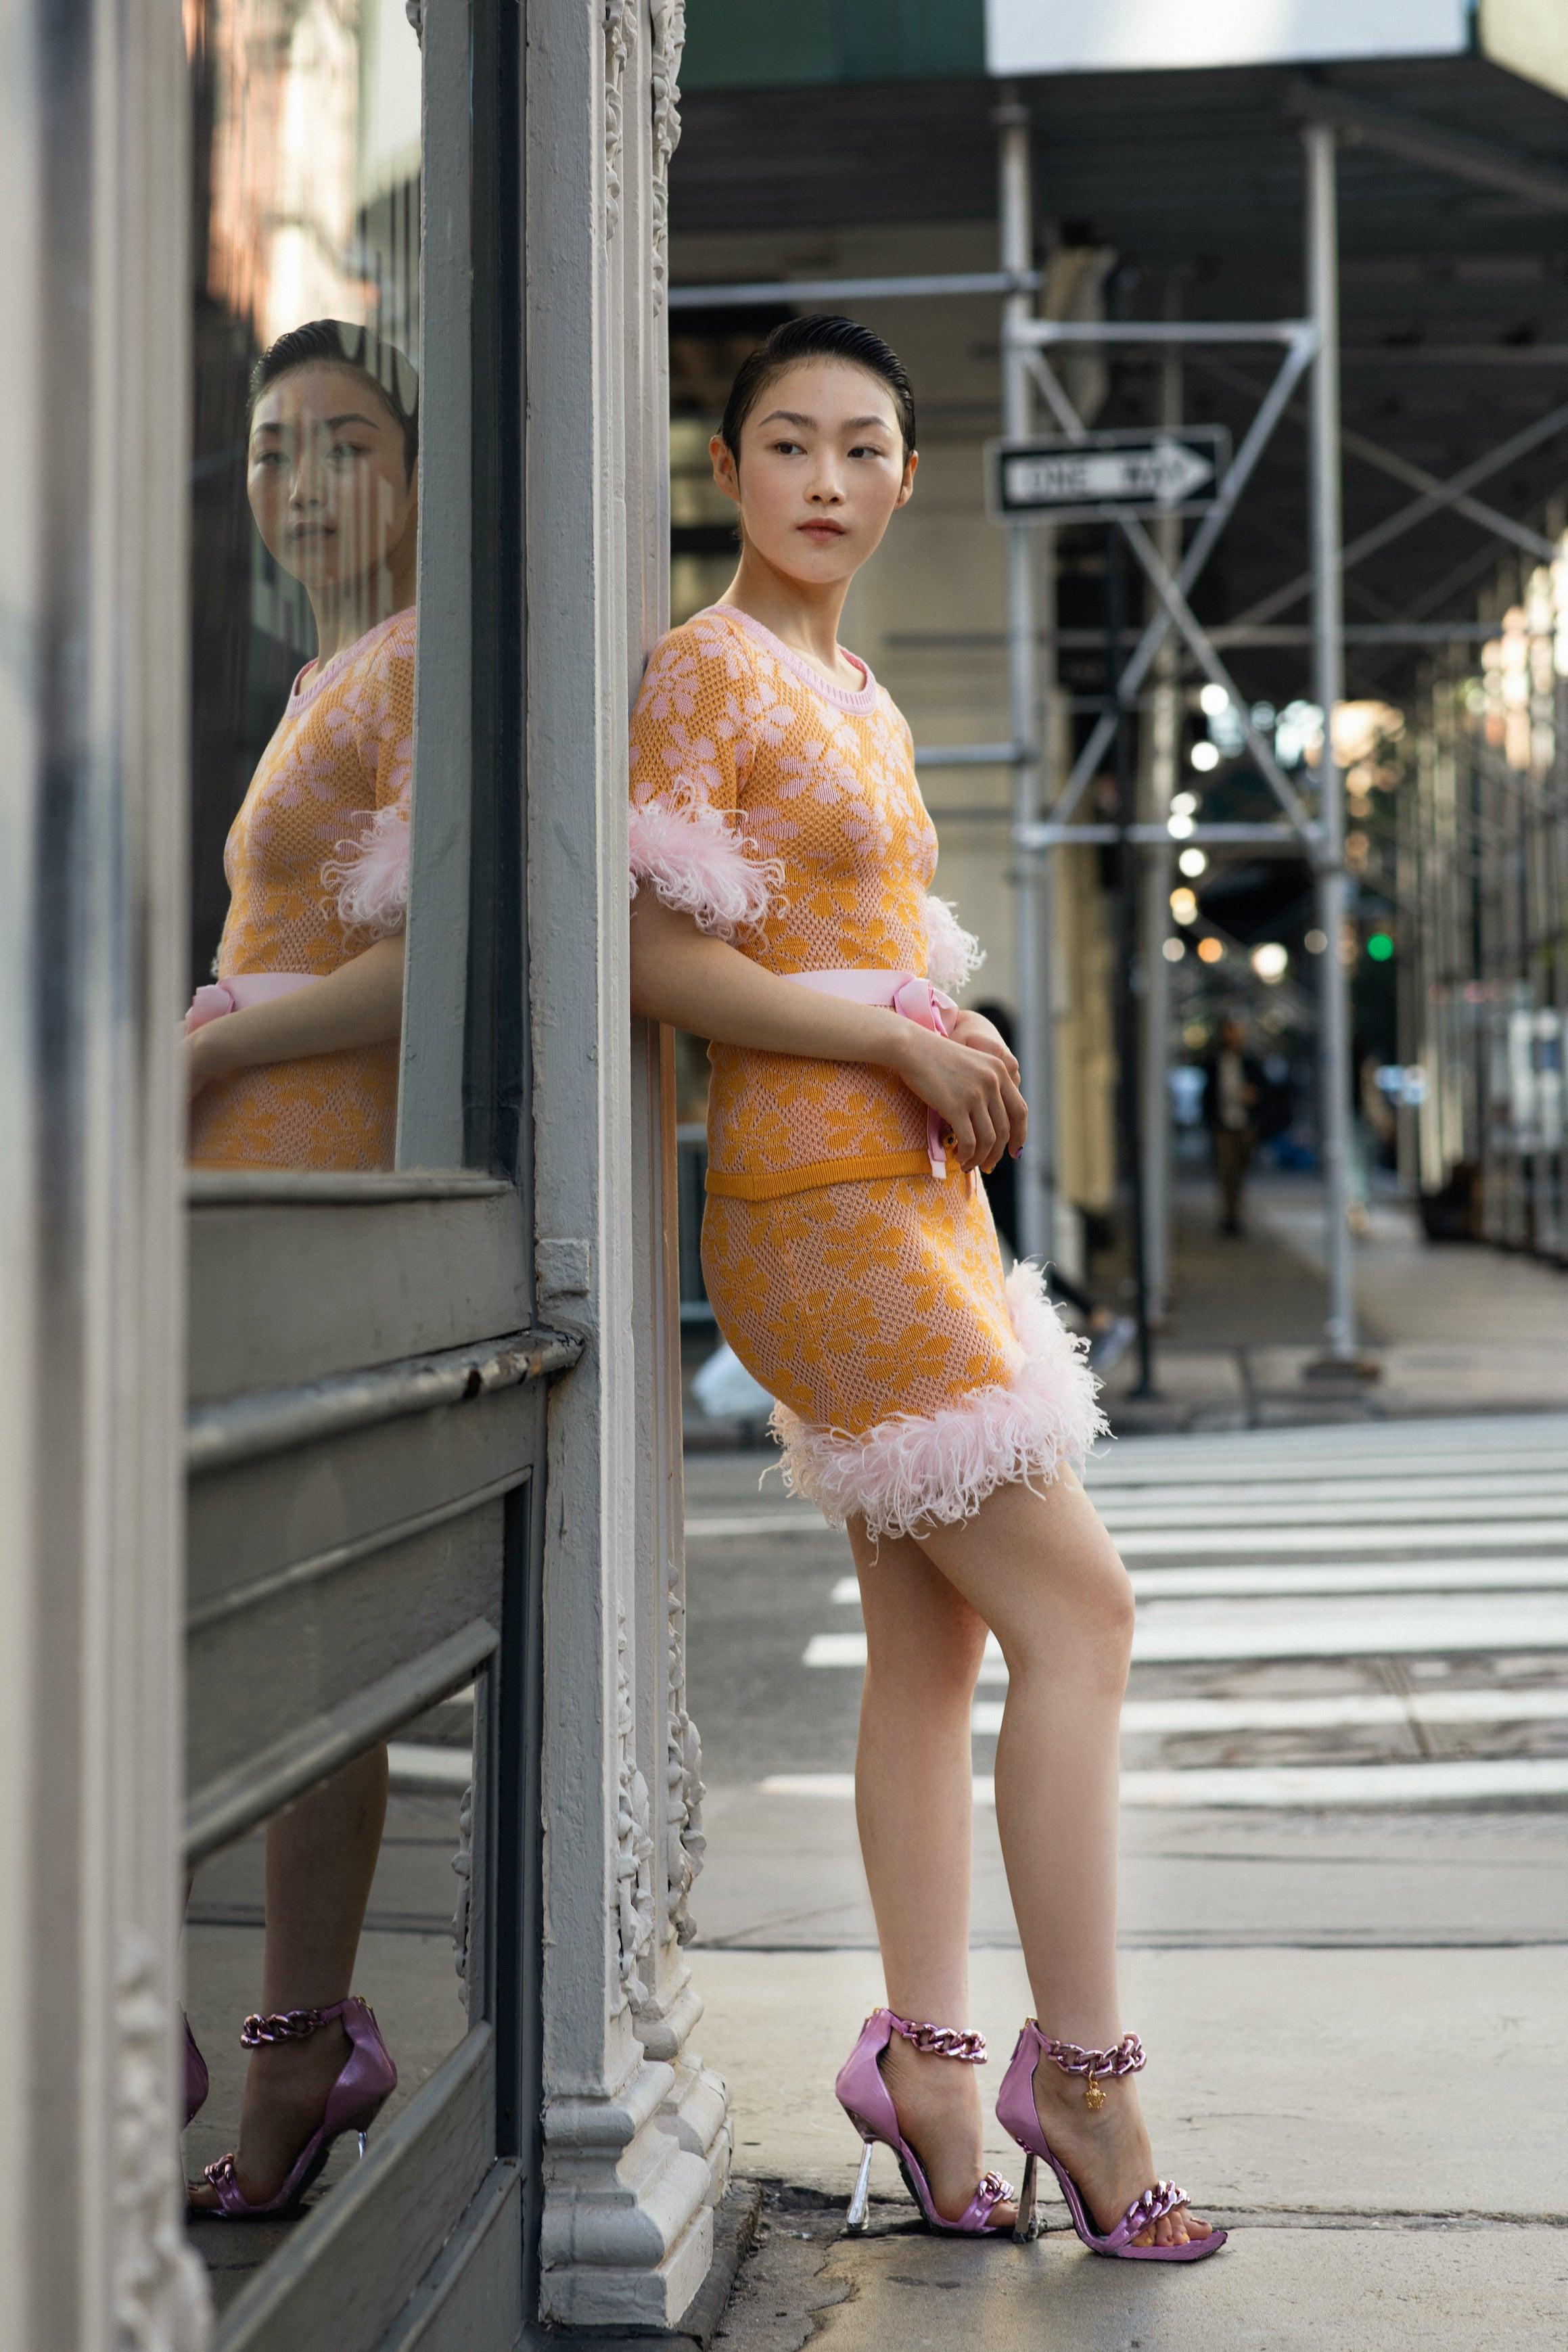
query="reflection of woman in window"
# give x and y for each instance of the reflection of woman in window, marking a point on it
(293, 1063)
(294, 1055)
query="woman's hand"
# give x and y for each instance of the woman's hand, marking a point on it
(714, 989)
(973, 1029)
(971, 1085)
(361, 1004)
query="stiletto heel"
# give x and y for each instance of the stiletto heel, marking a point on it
(854, 2219)
(355, 2099)
(1027, 2228)
(869, 2104)
(1019, 2118)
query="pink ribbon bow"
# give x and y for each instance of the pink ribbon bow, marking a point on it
(916, 999)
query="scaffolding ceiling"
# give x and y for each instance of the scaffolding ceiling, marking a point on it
(1454, 288)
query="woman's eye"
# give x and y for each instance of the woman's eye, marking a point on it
(348, 450)
(787, 448)
(867, 449)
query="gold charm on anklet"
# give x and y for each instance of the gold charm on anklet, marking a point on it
(1093, 2096)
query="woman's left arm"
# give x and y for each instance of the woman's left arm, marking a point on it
(361, 1004)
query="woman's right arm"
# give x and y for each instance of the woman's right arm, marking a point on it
(693, 982)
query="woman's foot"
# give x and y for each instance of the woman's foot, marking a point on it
(285, 2091)
(939, 2114)
(1106, 2152)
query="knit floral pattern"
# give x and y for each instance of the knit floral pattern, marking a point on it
(317, 862)
(825, 861)
(867, 1298)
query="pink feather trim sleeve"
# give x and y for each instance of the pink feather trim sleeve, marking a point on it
(953, 955)
(695, 864)
(369, 877)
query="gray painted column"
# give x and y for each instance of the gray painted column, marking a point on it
(93, 926)
(1319, 142)
(630, 2172)
(696, 2109)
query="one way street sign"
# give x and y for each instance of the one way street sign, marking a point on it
(1174, 470)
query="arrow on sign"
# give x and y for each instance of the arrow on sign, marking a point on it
(1167, 473)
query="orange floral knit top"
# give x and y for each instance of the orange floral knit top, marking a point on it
(317, 862)
(781, 812)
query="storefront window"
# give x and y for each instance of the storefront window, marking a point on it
(305, 526)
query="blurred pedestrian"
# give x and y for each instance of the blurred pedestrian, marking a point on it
(1233, 1088)
(780, 861)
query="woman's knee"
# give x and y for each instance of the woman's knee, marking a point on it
(1117, 1609)
(1082, 1621)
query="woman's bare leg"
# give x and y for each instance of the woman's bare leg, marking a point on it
(913, 1803)
(1041, 1570)
(320, 1859)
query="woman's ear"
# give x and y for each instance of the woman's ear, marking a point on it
(906, 488)
(724, 473)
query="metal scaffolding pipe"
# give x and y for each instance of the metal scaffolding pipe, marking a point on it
(1033, 1038)
(1162, 762)
(1319, 143)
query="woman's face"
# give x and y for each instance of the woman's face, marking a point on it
(328, 485)
(822, 469)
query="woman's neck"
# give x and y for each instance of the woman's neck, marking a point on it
(802, 618)
(343, 618)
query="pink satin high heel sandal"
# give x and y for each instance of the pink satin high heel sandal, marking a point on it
(355, 2099)
(869, 2104)
(1019, 2118)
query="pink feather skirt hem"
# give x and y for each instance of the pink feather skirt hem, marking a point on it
(916, 1470)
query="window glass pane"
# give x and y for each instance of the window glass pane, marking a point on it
(357, 1875)
(304, 534)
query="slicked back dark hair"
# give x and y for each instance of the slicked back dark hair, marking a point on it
(819, 337)
(389, 372)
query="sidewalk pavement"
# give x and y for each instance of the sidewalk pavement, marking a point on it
(1452, 1327)
(1382, 2130)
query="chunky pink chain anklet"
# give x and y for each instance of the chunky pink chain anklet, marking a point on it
(1127, 2058)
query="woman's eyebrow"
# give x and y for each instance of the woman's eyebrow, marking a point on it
(853, 425)
(350, 416)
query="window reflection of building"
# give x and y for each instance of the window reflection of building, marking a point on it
(306, 176)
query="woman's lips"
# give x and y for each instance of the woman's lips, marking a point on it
(823, 529)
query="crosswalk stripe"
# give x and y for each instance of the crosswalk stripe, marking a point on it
(1465, 1508)
(1533, 1573)
(1275, 1787)
(1370, 1536)
(1450, 1435)
(1517, 1515)
(1344, 1710)
(1263, 1496)
(1196, 1634)
(1128, 1467)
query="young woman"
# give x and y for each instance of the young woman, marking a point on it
(781, 857)
(292, 1060)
